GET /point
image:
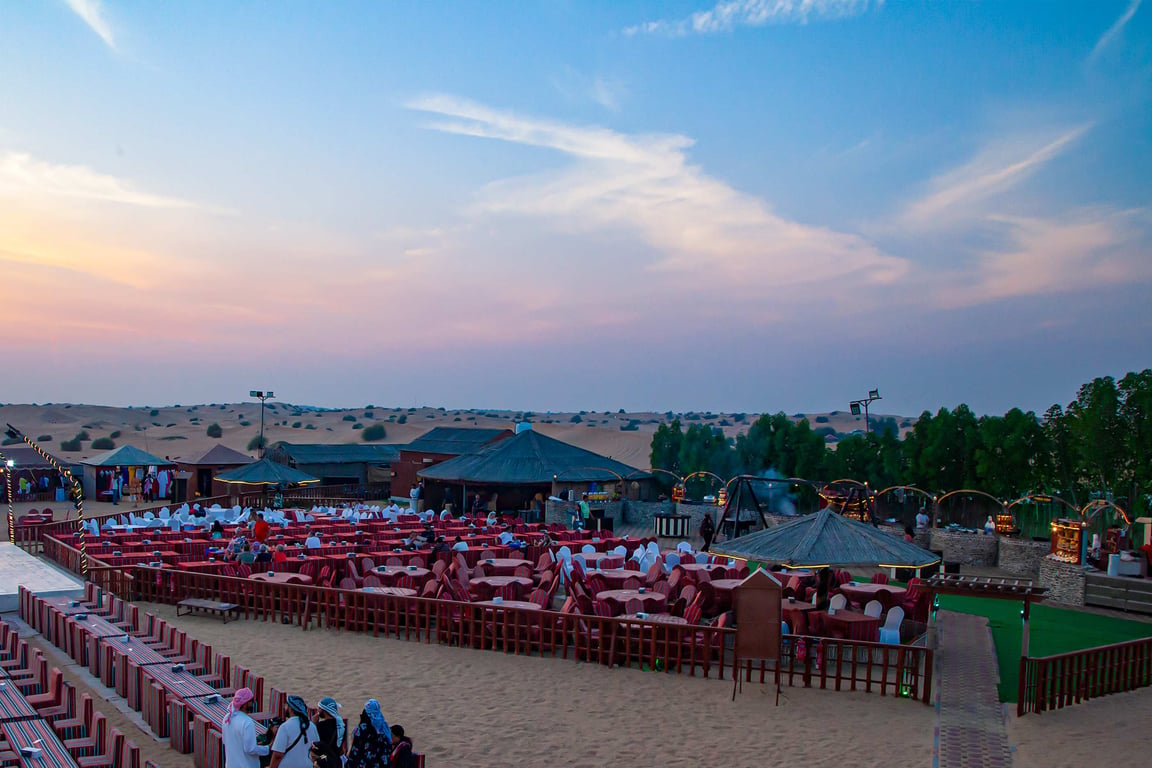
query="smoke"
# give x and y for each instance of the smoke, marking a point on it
(776, 496)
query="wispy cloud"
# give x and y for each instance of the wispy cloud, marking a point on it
(960, 194)
(607, 92)
(1114, 31)
(28, 176)
(729, 14)
(697, 227)
(92, 12)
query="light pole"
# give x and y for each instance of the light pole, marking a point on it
(67, 477)
(856, 405)
(262, 396)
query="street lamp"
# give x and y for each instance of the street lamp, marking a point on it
(262, 396)
(856, 405)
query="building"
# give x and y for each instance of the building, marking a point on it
(433, 447)
(357, 464)
(33, 477)
(134, 466)
(202, 470)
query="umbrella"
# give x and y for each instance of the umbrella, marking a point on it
(826, 539)
(266, 472)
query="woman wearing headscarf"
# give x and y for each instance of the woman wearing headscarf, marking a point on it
(329, 723)
(239, 734)
(290, 749)
(372, 739)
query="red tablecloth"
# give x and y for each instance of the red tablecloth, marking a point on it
(654, 602)
(502, 566)
(856, 626)
(615, 577)
(862, 593)
(282, 578)
(393, 591)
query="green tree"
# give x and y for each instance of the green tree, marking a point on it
(1098, 432)
(214, 430)
(1136, 417)
(665, 453)
(374, 433)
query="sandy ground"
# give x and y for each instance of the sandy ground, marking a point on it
(1111, 731)
(479, 708)
(180, 432)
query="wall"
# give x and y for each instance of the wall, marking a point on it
(1064, 581)
(965, 548)
(1021, 557)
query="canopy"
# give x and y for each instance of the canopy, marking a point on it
(126, 456)
(531, 458)
(221, 455)
(826, 539)
(266, 472)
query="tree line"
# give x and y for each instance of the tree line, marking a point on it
(1099, 446)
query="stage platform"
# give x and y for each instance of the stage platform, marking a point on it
(17, 568)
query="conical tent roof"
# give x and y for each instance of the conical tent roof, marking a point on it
(530, 458)
(266, 472)
(826, 539)
(220, 455)
(126, 456)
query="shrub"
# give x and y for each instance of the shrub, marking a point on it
(103, 444)
(576, 419)
(369, 415)
(309, 426)
(821, 419)
(214, 430)
(257, 443)
(245, 423)
(11, 441)
(456, 419)
(297, 424)
(357, 425)
(83, 435)
(115, 434)
(44, 439)
(71, 446)
(374, 433)
(169, 426)
(155, 423)
(153, 413)
(349, 417)
(402, 418)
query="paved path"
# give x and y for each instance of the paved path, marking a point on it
(970, 718)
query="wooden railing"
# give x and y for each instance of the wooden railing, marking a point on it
(31, 537)
(692, 649)
(1055, 682)
(116, 580)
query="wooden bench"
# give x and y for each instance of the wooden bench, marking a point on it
(192, 605)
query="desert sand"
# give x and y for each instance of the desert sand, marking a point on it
(479, 708)
(180, 432)
(1111, 731)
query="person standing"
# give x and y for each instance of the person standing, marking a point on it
(414, 499)
(707, 531)
(260, 529)
(239, 733)
(294, 737)
(371, 740)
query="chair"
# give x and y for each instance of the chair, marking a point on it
(588, 549)
(879, 578)
(688, 594)
(837, 603)
(372, 580)
(684, 548)
(663, 588)
(394, 561)
(634, 605)
(524, 571)
(671, 561)
(890, 630)
(655, 572)
(702, 558)
(632, 583)
(873, 609)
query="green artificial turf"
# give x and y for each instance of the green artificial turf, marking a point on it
(1052, 631)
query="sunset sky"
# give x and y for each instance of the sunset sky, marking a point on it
(755, 205)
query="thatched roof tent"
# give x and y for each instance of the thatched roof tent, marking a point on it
(266, 472)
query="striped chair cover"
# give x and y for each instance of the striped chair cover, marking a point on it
(179, 733)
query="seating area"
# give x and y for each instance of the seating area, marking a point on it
(43, 723)
(179, 685)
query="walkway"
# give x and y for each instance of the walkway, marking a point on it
(970, 719)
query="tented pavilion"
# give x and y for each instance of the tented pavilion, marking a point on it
(826, 540)
(264, 475)
(530, 463)
(133, 465)
(203, 469)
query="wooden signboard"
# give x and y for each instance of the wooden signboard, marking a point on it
(756, 602)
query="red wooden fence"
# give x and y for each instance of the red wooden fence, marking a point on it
(1055, 682)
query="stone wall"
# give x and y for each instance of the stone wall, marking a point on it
(637, 514)
(1064, 581)
(965, 548)
(1022, 557)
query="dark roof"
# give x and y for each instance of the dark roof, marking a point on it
(826, 538)
(26, 457)
(531, 458)
(221, 456)
(339, 453)
(126, 456)
(266, 472)
(455, 441)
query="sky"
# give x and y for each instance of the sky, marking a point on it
(750, 205)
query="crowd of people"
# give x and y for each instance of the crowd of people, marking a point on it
(313, 739)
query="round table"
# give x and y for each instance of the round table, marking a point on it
(694, 568)
(723, 590)
(615, 577)
(392, 572)
(391, 591)
(656, 618)
(654, 602)
(862, 593)
(502, 566)
(521, 604)
(485, 585)
(281, 578)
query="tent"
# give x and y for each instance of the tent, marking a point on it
(267, 473)
(133, 466)
(826, 539)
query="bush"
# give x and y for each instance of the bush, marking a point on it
(374, 433)
(402, 418)
(44, 439)
(103, 444)
(82, 435)
(115, 434)
(11, 441)
(71, 446)
(257, 443)
(369, 415)
(821, 419)
(576, 419)
(297, 424)
(357, 425)
(309, 426)
(153, 413)
(214, 430)
(349, 417)
(245, 423)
